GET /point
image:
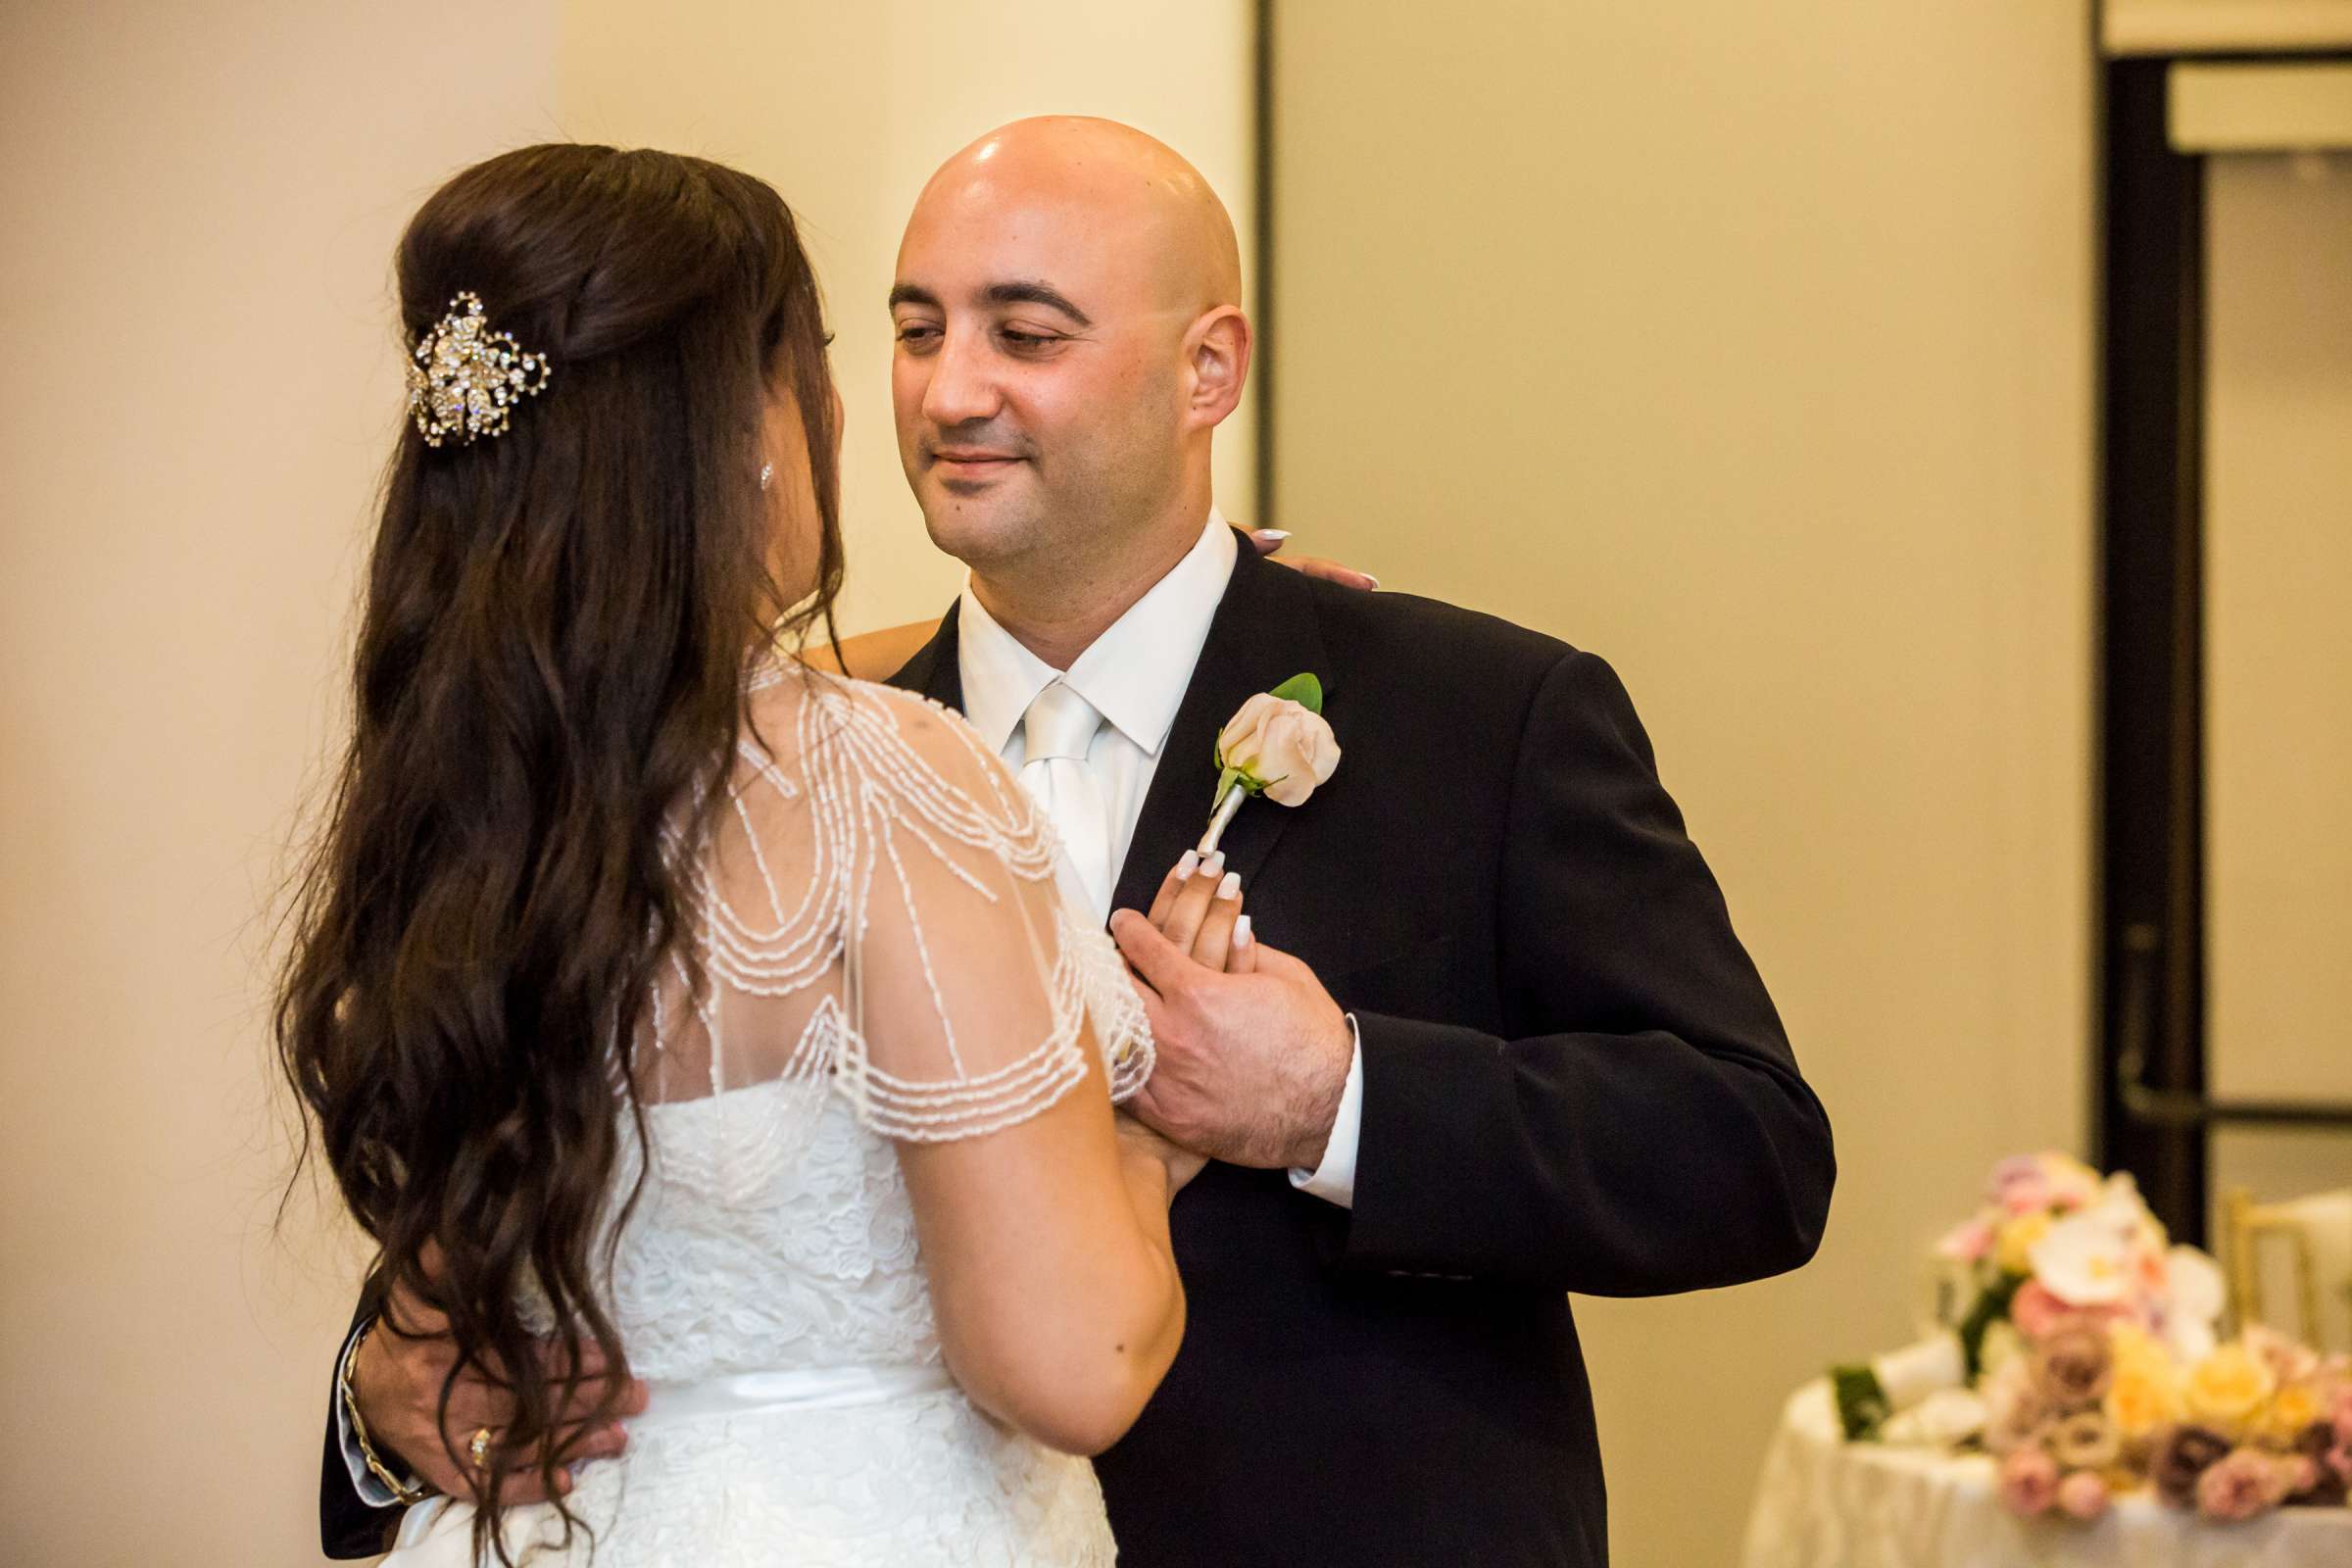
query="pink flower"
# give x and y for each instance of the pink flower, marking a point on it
(2073, 1365)
(1966, 1243)
(2289, 1361)
(2341, 1417)
(2014, 1414)
(2339, 1460)
(2021, 1184)
(2082, 1494)
(2028, 1482)
(2036, 1310)
(2240, 1486)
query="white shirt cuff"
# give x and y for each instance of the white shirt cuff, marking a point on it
(1334, 1181)
(373, 1492)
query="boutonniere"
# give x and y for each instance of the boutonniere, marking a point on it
(1278, 745)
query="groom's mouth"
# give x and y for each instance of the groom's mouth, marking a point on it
(970, 463)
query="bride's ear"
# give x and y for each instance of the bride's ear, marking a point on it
(1218, 354)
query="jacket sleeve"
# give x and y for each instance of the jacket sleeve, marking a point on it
(348, 1526)
(1644, 1129)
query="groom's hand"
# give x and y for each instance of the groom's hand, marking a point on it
(396, 1381)
(1251, 1066)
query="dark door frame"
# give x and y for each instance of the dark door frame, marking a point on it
(2152, 1115)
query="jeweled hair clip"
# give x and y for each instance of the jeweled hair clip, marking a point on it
(465, 378)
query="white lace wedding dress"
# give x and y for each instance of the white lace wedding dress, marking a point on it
(891, 954)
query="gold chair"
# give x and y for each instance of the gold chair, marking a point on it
(2318, 1232)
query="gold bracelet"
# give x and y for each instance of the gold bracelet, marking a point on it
(406, 1492)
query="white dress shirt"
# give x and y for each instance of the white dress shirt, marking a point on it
(1135, 675)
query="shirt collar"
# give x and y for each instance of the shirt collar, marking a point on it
(1135, 675)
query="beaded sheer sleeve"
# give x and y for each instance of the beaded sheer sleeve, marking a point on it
(880, 910)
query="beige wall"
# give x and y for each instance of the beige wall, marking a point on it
(201, 385)
(848, 108)
(1749, 347)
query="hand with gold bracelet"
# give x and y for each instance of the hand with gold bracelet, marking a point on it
(391, 1387)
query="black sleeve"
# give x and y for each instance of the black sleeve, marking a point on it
(1645, 1130)
(347, 1526)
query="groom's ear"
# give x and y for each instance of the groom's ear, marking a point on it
(1218, 352)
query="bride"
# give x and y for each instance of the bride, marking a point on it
(667, 1010)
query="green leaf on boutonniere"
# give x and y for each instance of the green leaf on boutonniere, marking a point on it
(1225, 781)
(1304, 690)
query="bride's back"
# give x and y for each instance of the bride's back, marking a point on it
(865, 832)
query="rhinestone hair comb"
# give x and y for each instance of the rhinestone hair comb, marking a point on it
(465, 378)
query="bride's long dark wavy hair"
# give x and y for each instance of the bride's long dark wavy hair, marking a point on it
(549, 671)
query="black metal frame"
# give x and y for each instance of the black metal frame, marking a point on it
(2153, 1114)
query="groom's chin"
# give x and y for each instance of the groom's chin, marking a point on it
(981, 527)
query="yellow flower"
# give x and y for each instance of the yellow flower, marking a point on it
(2144, 1397)
(2291, 1413)
(2135, 1345)
(2228, 1388)
(2017, 1239)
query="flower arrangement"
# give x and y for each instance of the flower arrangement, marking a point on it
(2086, 1360)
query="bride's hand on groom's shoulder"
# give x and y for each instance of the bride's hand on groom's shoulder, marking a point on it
(1270, 541)
(396, 1379)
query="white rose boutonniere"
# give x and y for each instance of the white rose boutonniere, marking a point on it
(1278, 745)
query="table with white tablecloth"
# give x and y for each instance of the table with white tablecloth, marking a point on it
(1823, 1502)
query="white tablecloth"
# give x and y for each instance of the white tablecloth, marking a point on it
(1826, 1504)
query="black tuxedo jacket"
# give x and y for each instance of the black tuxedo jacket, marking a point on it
(1573, 1081)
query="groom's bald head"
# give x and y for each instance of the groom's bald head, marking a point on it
(1069, 333)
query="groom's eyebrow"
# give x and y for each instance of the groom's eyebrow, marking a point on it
(1018, 291)
(1030, 291)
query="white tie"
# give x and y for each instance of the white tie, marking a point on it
(1056, 733)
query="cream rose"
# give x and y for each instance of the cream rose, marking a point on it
(2228, 1386)
(1279, 746)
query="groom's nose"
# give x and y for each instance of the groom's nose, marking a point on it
(961, 389)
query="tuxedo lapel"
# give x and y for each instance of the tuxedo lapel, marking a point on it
(935, 671)
(1264, 632)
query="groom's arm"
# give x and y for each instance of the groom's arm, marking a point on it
(1644, 1129)
(356, 1513)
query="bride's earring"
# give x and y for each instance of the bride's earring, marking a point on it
(767, 474)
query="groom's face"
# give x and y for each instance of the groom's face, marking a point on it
(1036, 370)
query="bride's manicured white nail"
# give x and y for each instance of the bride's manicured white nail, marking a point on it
(1231, 887)
(1189, 865)
(1277, 534)
(1241, 936)
(1214, 866)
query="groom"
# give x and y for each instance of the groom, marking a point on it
(1530, 1057)
(1557, 1069)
